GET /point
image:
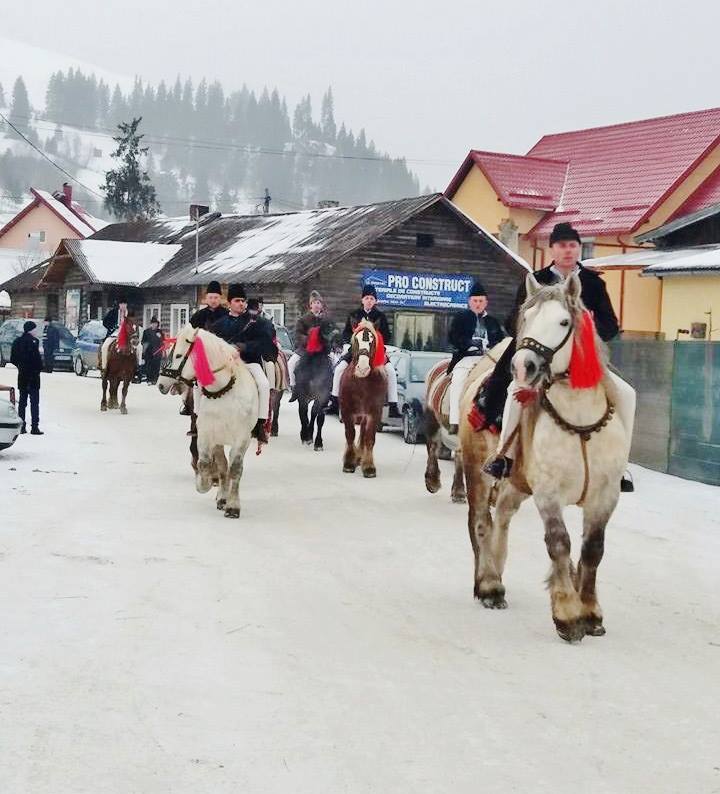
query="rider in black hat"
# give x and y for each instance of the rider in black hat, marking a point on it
(115, 316)
(472, 333)
(212, 311)
(370, 312)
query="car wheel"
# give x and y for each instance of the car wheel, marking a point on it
(79, 367)
(410, 425)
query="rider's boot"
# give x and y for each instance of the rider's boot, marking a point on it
(393, 412)
(453, 430)
(259, 431)
(499, 467)
(333, 406)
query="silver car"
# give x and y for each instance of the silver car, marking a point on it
(10, 422)
(85, 352)
(411, 366)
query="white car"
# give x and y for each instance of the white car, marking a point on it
(10, 422)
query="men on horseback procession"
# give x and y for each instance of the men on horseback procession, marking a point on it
(270, 354)
(497, 405)
(252, 336)
(314, 317)
(114, 317)
(370, 312)
(212, 311)
(472, 333)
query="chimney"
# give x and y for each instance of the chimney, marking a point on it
(327, 204)
(67, 194)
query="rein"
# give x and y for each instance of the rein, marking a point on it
(546, 353)
(176, 374)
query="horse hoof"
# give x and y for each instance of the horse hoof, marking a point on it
(369, 473)
(274, 433)
(492, 599)
(349, 469)
(319, 448)
(459, 498)
(220, 504)
(103, 408)
(594, 627)
(123, 411)
(432, 485)
(572, 631)
(232, 512)
(307, 442)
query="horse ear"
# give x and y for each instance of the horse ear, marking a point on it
(531, 286)
(573, 287)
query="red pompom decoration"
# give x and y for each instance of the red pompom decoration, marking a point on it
(314, 345)
(585, 367)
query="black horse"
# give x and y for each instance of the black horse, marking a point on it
(313, 384)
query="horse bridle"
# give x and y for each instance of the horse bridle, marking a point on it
(176, 373)
(546, 353)
(369, 352)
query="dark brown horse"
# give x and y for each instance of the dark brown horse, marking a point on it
(362, 395)
(313, 384)
(117, 360)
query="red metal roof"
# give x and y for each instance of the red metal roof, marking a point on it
(705, 196)
(618, 175)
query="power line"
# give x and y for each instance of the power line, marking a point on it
(52, 162)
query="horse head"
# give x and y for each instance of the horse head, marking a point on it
(128, 337)
(556, 336)
(364, 344)
(178, 371)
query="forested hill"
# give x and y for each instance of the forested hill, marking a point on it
(205, 144)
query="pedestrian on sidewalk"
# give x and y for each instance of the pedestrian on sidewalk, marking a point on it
(51, 343)
(25, 355)
(152, 344)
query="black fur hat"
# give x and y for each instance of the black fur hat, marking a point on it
(564, 231)
(214, 286)
(236, 291)
(478, 289)
(368, 289)
(28, 326)
(254, 304)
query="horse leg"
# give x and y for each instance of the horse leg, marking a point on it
(303, 412)
(204, 473)
(103, 402)
(488, 586)
(114, 384)
(368, 428)
(276, 399)
(350, 459)
(221, 472)
(566, 606)
(457, 492)
(193, 442)
(235, 471)
(594, 522)
(432, 442)
(125, 387)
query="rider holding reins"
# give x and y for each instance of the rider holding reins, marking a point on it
(499, 395)
(315, 316)
(370, 312)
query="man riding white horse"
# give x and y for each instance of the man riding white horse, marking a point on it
(472, 333)
(369, 312)
(253, 341)
(314, 317)
(500, 396)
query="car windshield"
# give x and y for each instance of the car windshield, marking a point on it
(65, 336)
(95, 332)
(283, 338)
(419, 367)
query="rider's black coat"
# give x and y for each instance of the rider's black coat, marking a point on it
(206, 317)
(375, 316)
(461, 333)
(254, 334)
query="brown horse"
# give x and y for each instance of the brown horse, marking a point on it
(362, 395)
(117, 361)
(279, 384)
(436, 419)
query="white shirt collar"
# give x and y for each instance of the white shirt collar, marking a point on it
(559, 274)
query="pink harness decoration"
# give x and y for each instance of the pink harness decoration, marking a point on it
(585, 368)
(203, 371)
(314, 345)
(122, 340)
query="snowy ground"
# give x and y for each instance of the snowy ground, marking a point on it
(328, 641)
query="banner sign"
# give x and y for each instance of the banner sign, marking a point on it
(420, 290)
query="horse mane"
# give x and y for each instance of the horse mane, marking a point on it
(217, 349)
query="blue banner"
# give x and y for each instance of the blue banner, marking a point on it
(420, 290)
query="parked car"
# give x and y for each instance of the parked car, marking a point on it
(11, 329)
(411, 366)
(10, 422)
(284, 340)
(85, 353)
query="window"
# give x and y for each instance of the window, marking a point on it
(424, 240)
(588, 249)
(179, 316)
(276, 312)
(415, 331)
(151, 310)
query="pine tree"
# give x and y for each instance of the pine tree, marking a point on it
(20, 107)
(2, 96)
(327, 117)
(129, 194)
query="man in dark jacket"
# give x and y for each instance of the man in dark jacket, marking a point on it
(370, 312)
(212, 311)
(25, 355)
(152, 343)
(565, 246)
(254, 342)
(51, 343)
(314, 316)
(115, 316)
(472, 333)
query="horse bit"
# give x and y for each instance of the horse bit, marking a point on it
(176, 374)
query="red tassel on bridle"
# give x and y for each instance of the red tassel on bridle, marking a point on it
(314, 343)
(203, 370)
(585, 368)
(122, 340)
(379, 358)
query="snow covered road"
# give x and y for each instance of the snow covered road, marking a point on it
(328, 640)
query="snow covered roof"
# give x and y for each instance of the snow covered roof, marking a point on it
(109, 261)
(693, 260)
(73, 221)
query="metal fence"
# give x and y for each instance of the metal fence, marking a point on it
(677, 426)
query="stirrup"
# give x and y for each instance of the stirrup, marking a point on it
(498, 467)
(627, 484)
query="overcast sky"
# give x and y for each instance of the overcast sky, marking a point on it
(428, 80)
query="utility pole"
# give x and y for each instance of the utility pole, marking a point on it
(196, 212)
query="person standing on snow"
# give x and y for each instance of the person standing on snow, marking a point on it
(25, 355)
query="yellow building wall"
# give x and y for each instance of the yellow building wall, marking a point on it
(685, 299)
(39, 219)
(642, 302)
